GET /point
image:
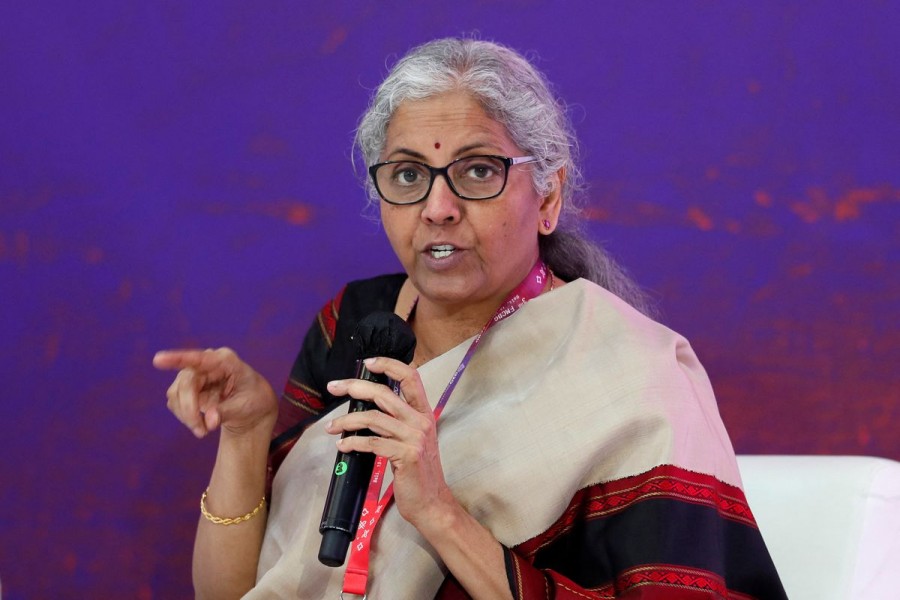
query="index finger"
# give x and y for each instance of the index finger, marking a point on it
(408, 378)
(181, 359)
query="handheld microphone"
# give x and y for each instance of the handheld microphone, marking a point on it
(378, 334)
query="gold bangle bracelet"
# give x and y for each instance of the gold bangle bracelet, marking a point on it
(228, 520)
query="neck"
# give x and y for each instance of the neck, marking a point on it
(439, 328)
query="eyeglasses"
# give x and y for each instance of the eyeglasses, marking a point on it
(471, 178)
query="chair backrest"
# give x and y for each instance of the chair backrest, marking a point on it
(832, 523)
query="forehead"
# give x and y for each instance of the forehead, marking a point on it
(453, 118)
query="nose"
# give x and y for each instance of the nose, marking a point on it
(442, 206)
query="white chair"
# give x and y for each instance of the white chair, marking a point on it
(831, 523)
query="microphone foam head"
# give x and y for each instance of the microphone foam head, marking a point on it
(383, 333)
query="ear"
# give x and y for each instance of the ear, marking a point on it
(551, 204)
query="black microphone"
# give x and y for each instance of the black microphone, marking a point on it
(379, 334)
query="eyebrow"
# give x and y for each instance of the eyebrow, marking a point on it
(421, 157)
(408, 152)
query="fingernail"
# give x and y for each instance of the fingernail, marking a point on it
(336, 385)
(328, 425)
(369, 361)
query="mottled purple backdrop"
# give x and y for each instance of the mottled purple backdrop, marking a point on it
(178, 174)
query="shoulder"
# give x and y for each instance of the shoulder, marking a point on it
(358, 298)
(337, 318)
(647, 373)
(616, 323)
(655, 355)
(353, 303)
(326, 355)
(363, 296)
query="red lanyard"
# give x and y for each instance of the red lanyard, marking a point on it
(358, 564)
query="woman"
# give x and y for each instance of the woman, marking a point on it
(580, 454)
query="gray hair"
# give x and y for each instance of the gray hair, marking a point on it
(518, 96)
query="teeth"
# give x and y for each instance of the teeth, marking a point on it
(442, 251)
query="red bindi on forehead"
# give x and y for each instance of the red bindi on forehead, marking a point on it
(437, 145)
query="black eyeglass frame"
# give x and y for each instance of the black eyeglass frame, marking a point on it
(508, 161)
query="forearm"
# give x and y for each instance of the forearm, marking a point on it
(226, 556)
(471, 553)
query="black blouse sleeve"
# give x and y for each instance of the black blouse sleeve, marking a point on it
(326, 354)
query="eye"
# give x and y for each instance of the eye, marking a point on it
(480, 168)
(407, 174)
(480, 172)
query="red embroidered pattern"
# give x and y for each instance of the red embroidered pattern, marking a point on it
(670, 575)
(303, 396)
(328, 317)
(301, 400)
(298, 402)
(666, 577)
(668, 481)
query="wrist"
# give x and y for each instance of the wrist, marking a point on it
(259, 431)
(259, 423)
(244, 451)
(440, 518)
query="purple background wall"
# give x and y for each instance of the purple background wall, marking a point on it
(177, 174)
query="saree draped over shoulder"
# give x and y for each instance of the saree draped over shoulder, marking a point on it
(583, 435)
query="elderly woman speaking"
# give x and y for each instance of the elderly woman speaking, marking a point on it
(548, 440)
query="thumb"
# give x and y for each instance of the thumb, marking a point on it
(212, 418)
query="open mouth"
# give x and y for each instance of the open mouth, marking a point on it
(442, 251)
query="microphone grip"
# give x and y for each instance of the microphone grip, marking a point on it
(347, 490)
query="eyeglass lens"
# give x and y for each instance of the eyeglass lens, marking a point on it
(474, 177)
